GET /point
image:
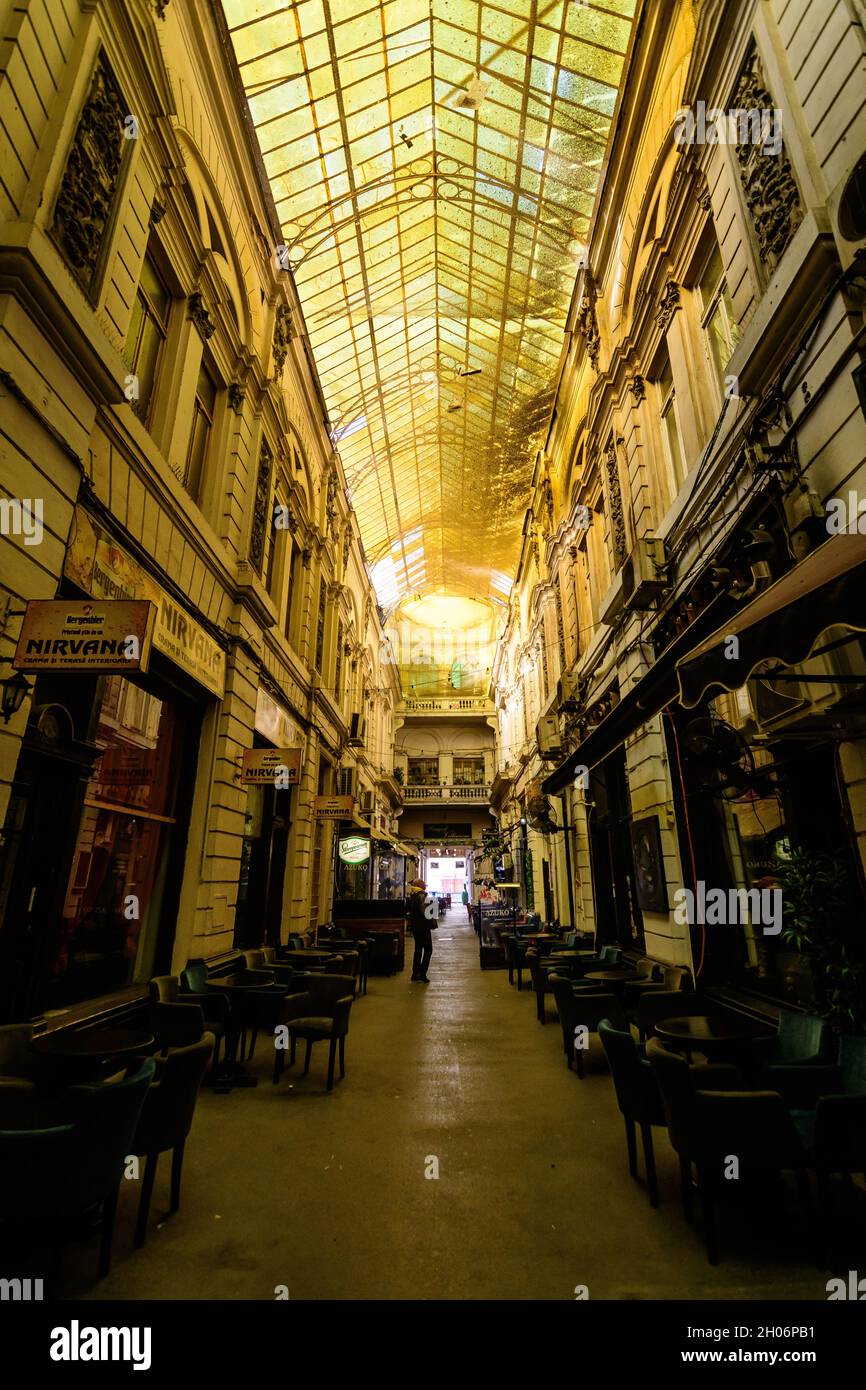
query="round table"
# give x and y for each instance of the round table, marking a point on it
(616, 979)
(237, 989)
(309, 954)
(709, 1033)
(86, 1052)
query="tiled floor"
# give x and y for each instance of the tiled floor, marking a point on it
(329, 1194)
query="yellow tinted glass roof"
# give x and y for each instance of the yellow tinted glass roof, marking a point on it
(434, 165)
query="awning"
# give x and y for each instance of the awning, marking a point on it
(655, 690)
(827, 589)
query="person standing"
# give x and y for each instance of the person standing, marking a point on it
(421, 923)
(465, 897)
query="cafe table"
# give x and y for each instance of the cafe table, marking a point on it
(85, 1054)
(308, 955)
(615, 978)
(713, 1035)
(236, 988)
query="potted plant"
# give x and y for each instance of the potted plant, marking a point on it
(821, 924)
(398, 776)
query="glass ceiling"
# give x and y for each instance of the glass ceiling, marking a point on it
(434, 165)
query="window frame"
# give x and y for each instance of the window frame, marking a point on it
(199, 411)
(149, 316)
(718, 299)
(667, 410)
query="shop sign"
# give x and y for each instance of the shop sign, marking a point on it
(263, 766)
(96, 564)
(83, 635)
(274, 722)
(333, 807)
(354, 850)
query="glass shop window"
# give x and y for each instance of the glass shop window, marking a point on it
(107, 934)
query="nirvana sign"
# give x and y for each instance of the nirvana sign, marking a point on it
(67, 635)
(96, 564)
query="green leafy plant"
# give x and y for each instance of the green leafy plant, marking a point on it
(820, 922)
(398, 776)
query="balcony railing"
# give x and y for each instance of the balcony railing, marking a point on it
(464, 704)
(448, 791)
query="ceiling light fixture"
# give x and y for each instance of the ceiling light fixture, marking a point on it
(473, 94)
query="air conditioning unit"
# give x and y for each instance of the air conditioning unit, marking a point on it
(368, 802)
(570, 690)
(356, 730)
(644, 574)
(548, 736)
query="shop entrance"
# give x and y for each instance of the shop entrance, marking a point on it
(618, 917)
(263, 867)
(50, 781)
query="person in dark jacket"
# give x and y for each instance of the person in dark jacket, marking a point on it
(420, 920)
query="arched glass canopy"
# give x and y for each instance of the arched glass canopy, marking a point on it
(434, 165)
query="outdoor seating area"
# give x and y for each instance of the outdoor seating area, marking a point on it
(743, 1101)
(84, 1102)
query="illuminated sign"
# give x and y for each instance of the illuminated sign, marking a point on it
(354, 850)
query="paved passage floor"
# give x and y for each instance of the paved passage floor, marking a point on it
(329, 1194)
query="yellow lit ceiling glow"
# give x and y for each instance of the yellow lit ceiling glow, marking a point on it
(434, 165)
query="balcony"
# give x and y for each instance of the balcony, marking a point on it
(457, 704)
(460, 795)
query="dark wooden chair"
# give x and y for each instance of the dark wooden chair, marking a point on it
(166, 1119)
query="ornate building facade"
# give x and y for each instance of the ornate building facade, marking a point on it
(163, 417)
(710, 410)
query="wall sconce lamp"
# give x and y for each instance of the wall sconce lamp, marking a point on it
(12, 692)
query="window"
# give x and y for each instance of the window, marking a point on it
(148, 331)
(468, 772)
(670, 424)
(279, 547)
(296, 574)
(338, 665)
(202, 424)
(320, 626)
(424, 772)
(721, 332)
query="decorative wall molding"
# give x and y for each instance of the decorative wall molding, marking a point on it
(200, 316)
(282, 337)
(770, 189)
(236, 396)
(587, 321)
(637, 386)
(260, 506)
(616, 515)
(90, 180)
(669, 302)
